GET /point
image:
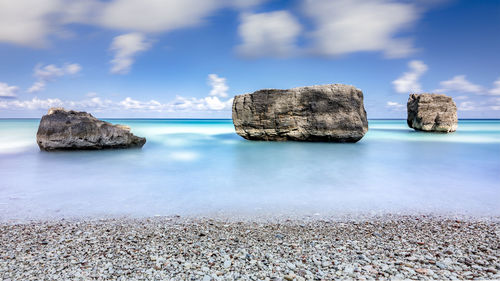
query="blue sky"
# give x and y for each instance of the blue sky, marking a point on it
(188, 58)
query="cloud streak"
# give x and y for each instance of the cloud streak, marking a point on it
(495, 91)
(409, 81)
(396, 106)
(125, 48)
(268, 34)
(348, 26)
(459, 84)
(7, 91)
(51, 72)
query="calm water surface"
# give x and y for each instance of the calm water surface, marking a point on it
(193, 167)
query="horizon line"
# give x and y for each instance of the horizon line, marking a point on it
(168, 118)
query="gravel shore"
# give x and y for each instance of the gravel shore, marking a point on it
(174, 248)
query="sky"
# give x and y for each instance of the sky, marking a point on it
(189, 58)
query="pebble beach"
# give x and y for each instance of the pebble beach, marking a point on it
(176, 248)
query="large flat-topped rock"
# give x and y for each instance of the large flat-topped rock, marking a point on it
(64, 129)
(432, 113)
(330, 113)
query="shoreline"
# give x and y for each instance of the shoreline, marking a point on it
(262, 218)
(180, 248)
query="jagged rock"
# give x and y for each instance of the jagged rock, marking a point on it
(64, 129)
(332, 113)
(432, 113)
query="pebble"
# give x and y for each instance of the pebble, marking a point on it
(391, 247)
(441, 265)
(492, 270)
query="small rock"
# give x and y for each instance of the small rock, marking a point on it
(441, 265)
(448, 252)
(349, 269)
(492, 270)
(421, 270)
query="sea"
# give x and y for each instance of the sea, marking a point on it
(195, 167)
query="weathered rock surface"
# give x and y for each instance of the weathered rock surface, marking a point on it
(432, 113)
(64, 129)
(332, 113)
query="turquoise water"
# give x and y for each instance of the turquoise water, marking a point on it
(193, 167)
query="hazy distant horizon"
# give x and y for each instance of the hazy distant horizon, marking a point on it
(194, 118)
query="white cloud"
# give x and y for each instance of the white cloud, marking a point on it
(155, 15)
(212, 102)
(219, 87)
(209, 103)
(268, 34)
(496, 89)
(7, 91)
(26, 22)
(161, 15)
(152, 105)
(36, 87)
(467, 106)
(396, 106)
(32, 104)
(340, 27)
(73, 68)
(347, 26)
(480, 105)
(495, 104)
(244, 4)
(94, 103)
(126, 46)
(50, 72)
(32, 22)
(459, 84)
(36, 103)
(408, 82)
(203, 104)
